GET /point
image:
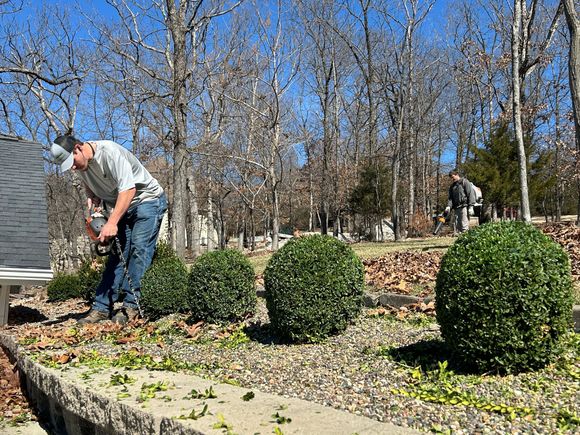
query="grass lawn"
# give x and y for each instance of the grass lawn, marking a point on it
(371, 250)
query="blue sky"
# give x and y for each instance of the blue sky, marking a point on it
(434, 25)
(434, 22)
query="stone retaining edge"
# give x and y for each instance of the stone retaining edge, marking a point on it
(76, 410)
(70, 406)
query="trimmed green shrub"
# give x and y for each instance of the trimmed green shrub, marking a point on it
(90, 274)
(503, 297)
(221, 287)
(164, 287)
(314, 288)
(64, 286)
(162, 251)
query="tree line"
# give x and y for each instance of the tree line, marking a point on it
(320, 115)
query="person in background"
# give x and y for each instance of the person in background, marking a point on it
(461, 201)
(118, 184)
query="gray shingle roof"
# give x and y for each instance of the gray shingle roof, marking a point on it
(23, 216)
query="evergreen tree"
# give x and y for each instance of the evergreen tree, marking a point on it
(370, 197)
(495, 169)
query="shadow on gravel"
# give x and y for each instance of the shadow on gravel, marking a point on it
(261, 333)
(65, 317)
(427, 354)
(19, 315)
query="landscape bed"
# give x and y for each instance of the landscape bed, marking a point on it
(388, 365)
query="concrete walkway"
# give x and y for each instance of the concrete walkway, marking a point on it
(29, 428)
(80, 401)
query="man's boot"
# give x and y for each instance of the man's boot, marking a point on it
(93, 316)
(125, 315)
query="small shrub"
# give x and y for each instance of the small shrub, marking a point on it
(504, 297)
(162, 251)
(64, 286)
(164, 286)
(314, 287)
(420, 226)
(90, 274)
(221, 287)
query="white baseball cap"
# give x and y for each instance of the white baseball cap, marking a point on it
(62, 151)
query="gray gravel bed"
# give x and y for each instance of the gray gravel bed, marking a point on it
(346, 372)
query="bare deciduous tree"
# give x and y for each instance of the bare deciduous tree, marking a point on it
(573, 21)
(172, 34)
(43, 72)
(524, 61)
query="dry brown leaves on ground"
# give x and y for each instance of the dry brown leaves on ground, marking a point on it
(13, 404)
(401, 272)
(403, 312)
(567, 234)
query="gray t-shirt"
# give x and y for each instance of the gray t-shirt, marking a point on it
(115, 169)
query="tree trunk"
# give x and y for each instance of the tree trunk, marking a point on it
(336, 134)
(194, 213)
(252, 230)
(370, 80)
(275, 210)
(558, 197)
(242, 230)
(573, 21)
(517, 113)
(179, 114)
(395, 167)
(311, 197)
(222, 236)
(326, 138)
(274, 178)
(209, 221)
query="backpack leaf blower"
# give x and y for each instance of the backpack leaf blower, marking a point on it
(440, 220)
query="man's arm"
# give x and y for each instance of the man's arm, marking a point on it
(469, 192)
(92, 199)
(121, 205)
(449, 200)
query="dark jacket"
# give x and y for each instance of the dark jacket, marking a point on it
(461, 194)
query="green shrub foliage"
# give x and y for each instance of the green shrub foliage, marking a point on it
(89, 275)
(314, 287)
(64, 286)
(164, 286)
(504, 297)
(163, 251)
(221, 287)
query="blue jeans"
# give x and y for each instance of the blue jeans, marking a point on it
(138, 231)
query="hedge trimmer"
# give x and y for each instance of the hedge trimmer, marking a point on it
(95, 223)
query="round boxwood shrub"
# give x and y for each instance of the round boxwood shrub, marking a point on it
(221, 287)
(503, 297)
(90, 274)
(163, 250)
(164, 286)
(64, 286)
(314, 287)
